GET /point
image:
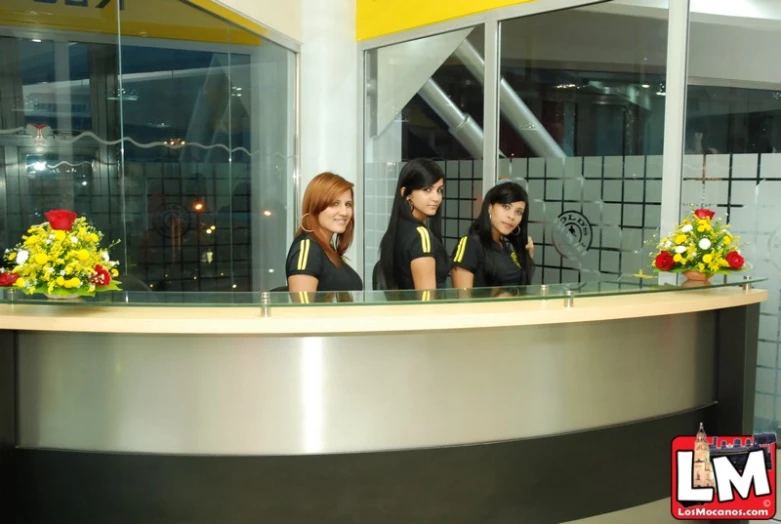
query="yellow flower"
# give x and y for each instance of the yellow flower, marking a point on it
(60, 281)
(32, 240)
(12, 255)
(114, 273)
(20, 282)
(727, 239)
(41, 259)
(73, 282)
(677, 257)
(680, 239)
(93, 237)
(701, 266)
(59, 235)
(83, 254)
(707, 258)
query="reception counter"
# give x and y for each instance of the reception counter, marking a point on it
(540, 404)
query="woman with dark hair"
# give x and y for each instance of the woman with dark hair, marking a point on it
(411, 252)
(497, 251)
(315, 261)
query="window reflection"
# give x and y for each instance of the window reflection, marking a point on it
(175, 147)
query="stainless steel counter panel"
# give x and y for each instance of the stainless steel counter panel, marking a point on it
(241, 395)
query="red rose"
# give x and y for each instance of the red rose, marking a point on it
(704, 213)
(61, 219)
(664, 261)
(102, 277)
(734, 260)
(8, 279)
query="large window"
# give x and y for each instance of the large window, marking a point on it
(582, 105)
(580, 111)
(175, 138)
(427, 101)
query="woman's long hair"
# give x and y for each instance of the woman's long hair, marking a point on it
(419, 173)
(321, 192)
(505, 193)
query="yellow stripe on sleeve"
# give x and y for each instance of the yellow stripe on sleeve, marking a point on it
(303, 254)
(460, 251)
(425, 241)
(303, 297)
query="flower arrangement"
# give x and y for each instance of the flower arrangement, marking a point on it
(699, 244)
(61, 257)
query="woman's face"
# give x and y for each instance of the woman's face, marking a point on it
(335, 218)
(426, 201)
(505, 218)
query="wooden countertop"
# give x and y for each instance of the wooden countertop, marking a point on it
(317, 319)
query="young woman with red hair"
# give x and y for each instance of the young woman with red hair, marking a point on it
(315, 261)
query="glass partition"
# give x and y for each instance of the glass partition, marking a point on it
(613, 285)
(175, 138)
(582, 110)
(732, 159)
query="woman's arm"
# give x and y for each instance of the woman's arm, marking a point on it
(424, 273)
(462, 278)
(296, 283)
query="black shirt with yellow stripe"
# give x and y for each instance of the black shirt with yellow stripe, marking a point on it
(498, 266)
(306, 257)
(414, 240)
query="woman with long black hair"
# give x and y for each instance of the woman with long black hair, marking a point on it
(497, 251)
(411, 252)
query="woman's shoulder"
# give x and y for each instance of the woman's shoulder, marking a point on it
(305, 241)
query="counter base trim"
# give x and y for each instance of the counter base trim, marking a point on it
(546, 480)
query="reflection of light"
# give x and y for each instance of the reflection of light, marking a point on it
(645, 86)
(39, 166)
(208, 231)
(213, 228)
(84, 183)
(198, 206)
(270, 270)
(267, 212)
(311, 388)
(234, 286)
(37, 40)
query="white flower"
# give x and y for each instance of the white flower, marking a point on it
(686, 228)
(50, 270)
(105, 256)
(680, 249)
(704, 244)
(21, 256)
(668, 244)
(74, 240)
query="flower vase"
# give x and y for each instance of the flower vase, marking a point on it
(697, 276)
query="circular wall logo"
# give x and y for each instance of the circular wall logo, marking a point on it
(572, 235)
(172, 220)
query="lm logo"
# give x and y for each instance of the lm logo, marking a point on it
(724, 477)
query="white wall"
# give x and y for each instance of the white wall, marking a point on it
(283, 16)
